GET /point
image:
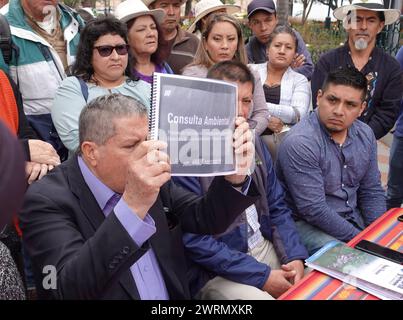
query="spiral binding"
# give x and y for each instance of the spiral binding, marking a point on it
(152, 122)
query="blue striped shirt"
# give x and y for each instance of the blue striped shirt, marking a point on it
(334, 187)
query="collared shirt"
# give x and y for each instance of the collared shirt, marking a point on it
(334, 187)
(255, 236)
(146, 271)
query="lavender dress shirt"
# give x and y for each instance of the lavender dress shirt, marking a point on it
(146, 271)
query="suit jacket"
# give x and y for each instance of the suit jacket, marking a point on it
(63, 226)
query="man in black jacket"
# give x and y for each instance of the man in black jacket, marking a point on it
(106, 224)
(363, 21)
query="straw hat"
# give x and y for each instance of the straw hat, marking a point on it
(131, 9)
(391, 15)
(204, 7)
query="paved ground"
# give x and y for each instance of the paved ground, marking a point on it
(383, 161)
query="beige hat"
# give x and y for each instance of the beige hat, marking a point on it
(131, 9)
(148, 2)
(391, 15)
(204, 7)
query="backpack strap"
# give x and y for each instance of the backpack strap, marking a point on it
(5, 39)
(167, 68)
(84, 88)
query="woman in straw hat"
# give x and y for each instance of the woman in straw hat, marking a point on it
(222, 40)
(149, 49)
(204, 9)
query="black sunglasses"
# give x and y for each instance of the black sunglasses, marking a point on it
(106, 51)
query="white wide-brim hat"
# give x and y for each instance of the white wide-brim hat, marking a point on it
(204, 7)
(148, 2)
(130, 9)
(391, 15)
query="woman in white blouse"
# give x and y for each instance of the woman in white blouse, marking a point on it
(287, 93)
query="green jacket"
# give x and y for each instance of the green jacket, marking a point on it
(36, 66)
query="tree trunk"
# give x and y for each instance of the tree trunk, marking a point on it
(307, 10)
(282, 12)
(332, 3)
(188, 7)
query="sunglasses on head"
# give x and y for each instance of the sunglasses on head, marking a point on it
(106, 51)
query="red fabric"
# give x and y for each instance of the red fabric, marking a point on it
(9, 116)
(8, 105)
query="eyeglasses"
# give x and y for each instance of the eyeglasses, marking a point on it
(106, 51)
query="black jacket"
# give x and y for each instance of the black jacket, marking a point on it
(63, 226)
(25, 132)
(385, 85)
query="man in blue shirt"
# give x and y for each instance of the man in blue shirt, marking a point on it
(260, 255)
(328, 165)
(394, 195)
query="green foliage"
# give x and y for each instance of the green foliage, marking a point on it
(246, 32)
(318, 39)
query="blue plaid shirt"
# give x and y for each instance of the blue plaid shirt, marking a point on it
(336, 188)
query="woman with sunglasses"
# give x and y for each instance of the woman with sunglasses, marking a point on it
(148, 47)
(222, 40)
(102, 67)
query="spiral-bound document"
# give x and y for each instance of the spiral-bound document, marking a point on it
(196, 117)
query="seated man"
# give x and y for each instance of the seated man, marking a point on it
(328, 165)
(104, 224)
(260, 255)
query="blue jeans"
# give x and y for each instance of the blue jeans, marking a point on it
(312, 238)
(394, 193)
(29, 275)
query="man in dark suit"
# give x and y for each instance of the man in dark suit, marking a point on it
(105, 224)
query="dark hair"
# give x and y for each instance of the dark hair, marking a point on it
(347, 76)
(89, 35)
(202, 57)
(96, 121)
(163, 50)
(233, 71)
(282, 29)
